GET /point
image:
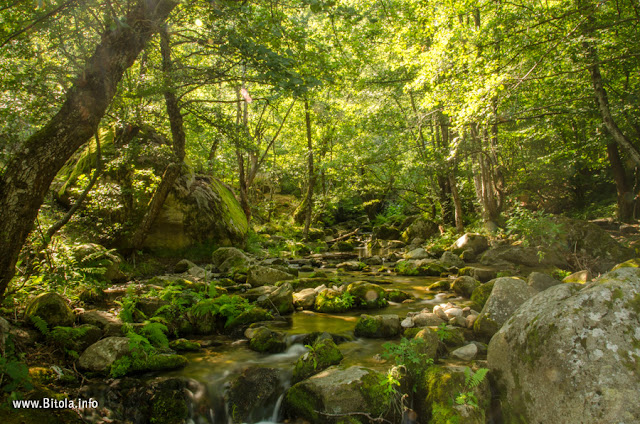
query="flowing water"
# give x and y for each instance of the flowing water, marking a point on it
(214, 368)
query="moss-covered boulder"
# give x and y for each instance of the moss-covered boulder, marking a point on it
(52, 308)
(481, 293)
(378, 326)
(420, 228)
(367, 295)
(386, 232)
(249, 316)
(168, 401)
(228, 258)
(259, 275)
(481, 274)
(264, 340)
(507, 295)
(432, 346)
(251, 393)
(339, 395)
(425, 267)
(330, 300)
(351, 266)
(322, 355)
(580, 277)
(450, 259)
(441, 395)
(442, 285)
(199, 210)
(397, 296)
(510, 255)
(464, 286)
(572, 354)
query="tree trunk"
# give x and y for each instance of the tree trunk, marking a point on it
(625, 196)
(312, 176)
(172, 172)
(457, 203)
(484, 182)
(63, 221)
(30, 171)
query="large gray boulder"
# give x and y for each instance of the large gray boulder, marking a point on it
(335, 391)
(101, 355)
(226, 258)
(524, 255)
(420, 228)
(259, 275)
(540, 282)
(378, 326)
(572, 354)
(281, 299)
(507, 295)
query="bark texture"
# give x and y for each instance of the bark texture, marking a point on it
(30, 171)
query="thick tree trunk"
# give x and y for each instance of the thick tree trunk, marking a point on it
(623, 186)
(172, 172)
(310, 170)
(29, 173)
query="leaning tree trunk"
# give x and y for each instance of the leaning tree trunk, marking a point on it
(30, 171)
(172, 172)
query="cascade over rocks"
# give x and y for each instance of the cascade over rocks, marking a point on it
(572, 354)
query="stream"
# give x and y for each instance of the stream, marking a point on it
(215, 367)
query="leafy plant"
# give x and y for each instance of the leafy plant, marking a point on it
(14, 374)
(443, 332)
(228, 306)
(40, 324)
(155, 332)
(410, 353)
(471, 381)
(345, 300)
(533, 228)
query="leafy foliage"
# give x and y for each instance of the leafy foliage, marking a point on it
(471, 381)
(410, 353)
(227, 306)
(14, 374)
(534, 228)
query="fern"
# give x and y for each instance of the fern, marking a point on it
(40, 324)
(155, 332)
(471, 381)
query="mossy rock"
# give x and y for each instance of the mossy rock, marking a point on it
(251, 392)
(378, 326)
(323, 354)
(481, 293)
(367, 295)
(442, 285)
(329, 301)
(52, 308)
(342, 392)
(227, 258)
(437, 392)
(267, 341)
(184, 345)
(397, 296)
(464, 286)
(250, 316)
(160, 362)
(168, 402)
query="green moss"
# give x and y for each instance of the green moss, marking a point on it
(442, 285)
(267, 341)
(467, 270)
(161, 363)
(249, 317)
(367, 295)
(322, 355)
(406, 268)
(301, 404)
(631, 263)
(617, 294)
(184, 345)
(233, 211)
(397, 296)
(410, 333)
(635, 304)
(373, 391)
(367, 326)
(482, 293)
(168, 409)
